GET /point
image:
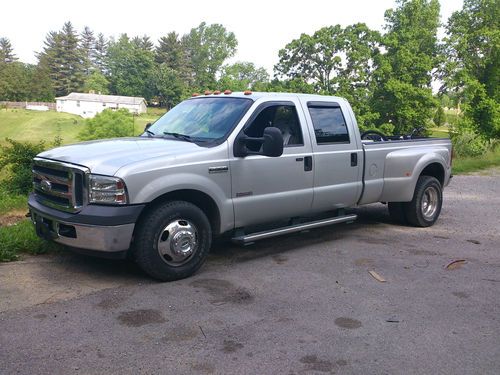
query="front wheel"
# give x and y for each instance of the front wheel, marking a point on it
(172, 241)
(425, 207)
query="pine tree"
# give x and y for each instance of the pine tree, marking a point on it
(87, 45)
(143, 43)
(6, 51)
(171, 52)
(63, 60)
(99, 54)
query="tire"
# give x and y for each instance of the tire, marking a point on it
(397, 212)
(172, 241)
(425, 207)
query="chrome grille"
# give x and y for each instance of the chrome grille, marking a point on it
(59, 185)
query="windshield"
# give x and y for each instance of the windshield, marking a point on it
(201, 120)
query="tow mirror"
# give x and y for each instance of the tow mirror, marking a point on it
(270, 144)
(273, 142)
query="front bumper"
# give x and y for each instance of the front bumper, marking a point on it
(98, 228)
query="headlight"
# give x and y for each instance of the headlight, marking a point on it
(107, 190)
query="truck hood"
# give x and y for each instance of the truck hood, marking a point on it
(107, 156)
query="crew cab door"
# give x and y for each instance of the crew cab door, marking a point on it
(268, 188)
(337, 155)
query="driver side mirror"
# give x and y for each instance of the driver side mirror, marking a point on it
(271, 141)
(148, 125)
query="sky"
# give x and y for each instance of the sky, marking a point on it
(261, 27)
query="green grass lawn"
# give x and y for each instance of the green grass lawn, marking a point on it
(34, 126)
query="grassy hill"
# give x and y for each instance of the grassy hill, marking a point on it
(24, 125)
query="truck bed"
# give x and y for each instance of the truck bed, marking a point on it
(391, 168)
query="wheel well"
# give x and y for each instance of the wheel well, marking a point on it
(202, 200)
(434, 170)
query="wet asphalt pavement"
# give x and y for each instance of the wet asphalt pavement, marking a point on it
(301, 304)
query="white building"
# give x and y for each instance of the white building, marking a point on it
(88, 105)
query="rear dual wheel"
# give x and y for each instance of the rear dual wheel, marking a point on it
(424, 209)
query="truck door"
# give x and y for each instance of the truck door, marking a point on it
(268, 188)
(337, 157)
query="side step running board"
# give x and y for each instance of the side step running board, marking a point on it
(247, 238)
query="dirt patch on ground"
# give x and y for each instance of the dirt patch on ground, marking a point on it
(12, 217)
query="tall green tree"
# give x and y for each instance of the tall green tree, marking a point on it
(100, 53)
(87, 46)
(336, 61)
(143, 42)
(314, 58)
(170, 51)
(24, 82)
(403, 97)
(242, 76)
(130, 68)
(15, 79)
(96, 82)
(169, 85)
(208, 47)
(6, 51)
(63, 60)
(472, 68)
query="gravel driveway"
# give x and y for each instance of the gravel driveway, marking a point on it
(303, 304)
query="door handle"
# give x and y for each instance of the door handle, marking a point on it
(354, 159)
(308, 163)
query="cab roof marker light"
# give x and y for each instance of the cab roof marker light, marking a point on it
(216, 92)
(228, 92)
(208, 92)
(195, 94)
(247, 92)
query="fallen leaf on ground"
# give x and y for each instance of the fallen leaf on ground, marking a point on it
(455, 264)
(376, 276)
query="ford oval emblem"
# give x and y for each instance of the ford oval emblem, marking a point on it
(46, 185)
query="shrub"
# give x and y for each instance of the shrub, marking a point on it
(439, 117)
(108, 124)
(15, 161)
(468, 143)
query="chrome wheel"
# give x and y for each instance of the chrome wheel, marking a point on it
(177, 242)
(430, 200)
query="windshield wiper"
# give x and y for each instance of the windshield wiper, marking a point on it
(184, 137)
(150, 133)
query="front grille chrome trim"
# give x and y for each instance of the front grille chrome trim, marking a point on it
(54, 190)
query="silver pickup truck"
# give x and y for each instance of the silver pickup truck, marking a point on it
(234, 164)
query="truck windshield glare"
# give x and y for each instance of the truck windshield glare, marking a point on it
(204, 119)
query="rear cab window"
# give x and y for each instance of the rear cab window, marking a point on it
(329, 123)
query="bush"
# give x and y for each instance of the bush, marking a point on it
(15, 161)
(468, 143)
(439, 117)
(108, 124)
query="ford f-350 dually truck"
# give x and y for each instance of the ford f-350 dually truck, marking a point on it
(226, 164)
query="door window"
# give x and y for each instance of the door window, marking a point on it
(283, 117)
